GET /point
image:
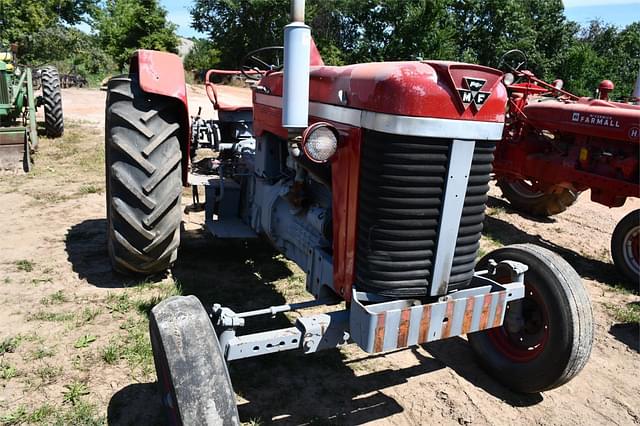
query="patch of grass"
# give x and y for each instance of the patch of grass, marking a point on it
(89, 189)
(43, 352)
(7, 280)
(74, 391)
(7, 371)
(87, 315)
(84, 341)
(10, 344)
(136, 348)
(51, 316)
(111, 353)
(37, 281)
(120, 303)
(48, 197)
(54, 299)
(17, 416)
(81, 413)
(48, 373)
(41, 414)
(25, 265)
(626, 314)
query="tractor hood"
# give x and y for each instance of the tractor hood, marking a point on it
(434, 89)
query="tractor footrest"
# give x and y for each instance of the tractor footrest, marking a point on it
(230, 228)
(380, 326)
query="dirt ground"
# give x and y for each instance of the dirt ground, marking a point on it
(74, 346)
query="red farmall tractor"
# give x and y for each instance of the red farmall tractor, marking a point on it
(373, 178)
(557, 144)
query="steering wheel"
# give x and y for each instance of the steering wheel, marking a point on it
(255, 64)
(514, 60)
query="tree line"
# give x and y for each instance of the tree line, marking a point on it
(346, 31)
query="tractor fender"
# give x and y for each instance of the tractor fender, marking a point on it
(161, 73)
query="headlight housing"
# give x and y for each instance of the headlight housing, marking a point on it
(320, 142)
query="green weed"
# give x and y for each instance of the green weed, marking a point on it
(74, 391)
(7, 371)
(51, 316)
(43, 352)
(629, 313)
(84, 341)
(10, 344)
(48, 373)
(25, 265)
(54, 299)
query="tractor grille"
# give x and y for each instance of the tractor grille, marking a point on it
(4, 89)
(400, 202)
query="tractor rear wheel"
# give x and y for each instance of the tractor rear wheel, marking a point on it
(193, 378)
(143, 174)
(52, 98)
(524, 197)
(625, 246)
(546, 337)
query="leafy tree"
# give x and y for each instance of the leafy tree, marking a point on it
(22, 17)
(238, 26)
(203, 56)
(126, 25)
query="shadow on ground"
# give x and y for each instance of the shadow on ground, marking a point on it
(628, 333)
(587, 268)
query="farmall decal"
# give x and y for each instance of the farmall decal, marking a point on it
(473, 94)
(595, 120)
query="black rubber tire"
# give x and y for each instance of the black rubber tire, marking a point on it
(626, 230)
(536, 203)
(143, 174)
(192, 374)
(570, 324)
(52, 100)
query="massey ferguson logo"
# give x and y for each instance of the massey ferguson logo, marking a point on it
(473, 93)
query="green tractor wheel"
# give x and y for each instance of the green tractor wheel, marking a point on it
(52, 101)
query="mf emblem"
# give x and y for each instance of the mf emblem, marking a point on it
(473, 94)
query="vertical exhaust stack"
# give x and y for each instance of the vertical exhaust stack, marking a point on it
(636, 89)
(297, 50)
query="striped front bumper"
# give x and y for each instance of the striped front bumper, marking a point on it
(389, 325)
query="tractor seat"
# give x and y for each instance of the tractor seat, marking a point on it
(232, 101)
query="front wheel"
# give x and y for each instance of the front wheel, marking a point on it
(193, 379)
(546, 337)
(525, 197)
(625, 246)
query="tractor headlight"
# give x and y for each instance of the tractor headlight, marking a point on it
(320, 142)
(508, 79)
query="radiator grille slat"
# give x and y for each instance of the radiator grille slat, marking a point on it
(400, 202)
(4, 89)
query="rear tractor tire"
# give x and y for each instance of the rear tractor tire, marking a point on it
(546, 337)
(143, 174)
(52, 99)
(193, 378)
(525, 198)
(625, 246)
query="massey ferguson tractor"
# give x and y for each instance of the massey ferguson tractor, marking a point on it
(18, 103)
(373, 178)
(557, 144)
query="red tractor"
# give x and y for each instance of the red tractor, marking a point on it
(556, 145)
(373, 178)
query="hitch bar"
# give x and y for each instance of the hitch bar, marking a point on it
(377, 324)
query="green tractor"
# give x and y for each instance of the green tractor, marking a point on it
(18, 103)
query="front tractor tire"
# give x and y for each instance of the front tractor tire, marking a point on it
(546, 337)
(193, 379)
(143, 174)
(525, 198)
(52, 100)
(625, 246)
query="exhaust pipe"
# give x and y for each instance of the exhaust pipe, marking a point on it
(297, 50)
(636, 90)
